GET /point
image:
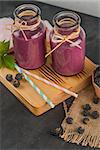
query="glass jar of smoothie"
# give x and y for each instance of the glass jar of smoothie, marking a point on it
(29, 37)
(68, 40)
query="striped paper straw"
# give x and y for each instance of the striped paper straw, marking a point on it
(35, 86)
(52, 84)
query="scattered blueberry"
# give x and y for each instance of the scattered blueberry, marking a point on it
(18, 76)
(69, 101)
(96, 100)
(80, 130)
(9, 77)
(85, 120)
(69, 120)
(85, 113)
(87, 107)
(95, 114)
(56, 132)
(16, 83)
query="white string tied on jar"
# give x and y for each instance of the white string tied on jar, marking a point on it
(60, 39)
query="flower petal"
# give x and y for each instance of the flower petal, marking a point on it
(5, 29)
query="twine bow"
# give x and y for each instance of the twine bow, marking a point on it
(58, 38)
(23, 25)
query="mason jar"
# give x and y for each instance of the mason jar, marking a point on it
(29, 37)
(69, 55)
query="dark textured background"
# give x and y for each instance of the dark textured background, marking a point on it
(21, 130)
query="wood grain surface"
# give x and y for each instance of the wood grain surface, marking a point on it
(33, 101)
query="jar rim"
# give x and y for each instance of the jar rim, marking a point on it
(69, 14)
(24, 7)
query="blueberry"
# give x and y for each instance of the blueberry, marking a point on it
(95, 114)
(56, 132)
(97, 81)
(16, 83)
(85, 113)
(85, 120)
(60, 130)
(18, 76)
(80, 130)
(9, 77)
(96, 100)
(69, 120)
(68, 102)
(87, 107)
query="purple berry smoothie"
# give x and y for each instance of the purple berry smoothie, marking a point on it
(68, 60)
(30, 54)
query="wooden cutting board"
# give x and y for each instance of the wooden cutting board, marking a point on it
(26, 94)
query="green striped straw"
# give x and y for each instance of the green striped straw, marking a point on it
(34, 86)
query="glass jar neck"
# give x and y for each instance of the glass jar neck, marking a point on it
(66, 22)
(27, 14)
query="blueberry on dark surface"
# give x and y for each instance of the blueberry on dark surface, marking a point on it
(87, 107)
(18, 76)
(16, 83)
(60, 130)
(97, 81)
(95, 114)
(56, 132)
(9, 77)
(69, 120)
(80, 130)
(96, 100)
(69, 101)
(85, 120)
(85, 113)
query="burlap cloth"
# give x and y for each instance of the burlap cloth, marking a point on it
(91, 136)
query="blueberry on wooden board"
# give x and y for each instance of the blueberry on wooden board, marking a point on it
(16, 83)
(80, 130)
(96, 100)
(95, 114)
(69, 120)
(9, 77)
(87, 107)
(85, 120)
(18, 76)
(85, 113)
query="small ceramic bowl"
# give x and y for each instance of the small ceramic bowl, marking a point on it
(96, 87)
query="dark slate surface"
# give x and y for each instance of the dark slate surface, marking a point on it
(19, 129)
